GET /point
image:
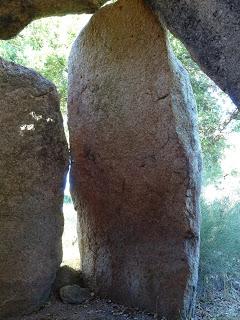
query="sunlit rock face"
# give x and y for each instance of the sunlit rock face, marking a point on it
(136, 165)
(17, 14)
(210, 30)
(33, 163)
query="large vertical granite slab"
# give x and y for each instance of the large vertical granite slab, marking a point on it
(135, 174)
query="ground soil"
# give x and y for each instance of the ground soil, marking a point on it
(217, 307)
(94, 310)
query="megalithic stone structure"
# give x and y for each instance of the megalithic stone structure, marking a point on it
(33, 164)
(136, 163)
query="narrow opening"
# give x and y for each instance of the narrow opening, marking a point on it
(46, 50)
(70, 239)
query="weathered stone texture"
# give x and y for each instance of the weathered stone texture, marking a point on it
(135, 171)
(17, 14)
(210, 29)
(33, 164)
(74, 294)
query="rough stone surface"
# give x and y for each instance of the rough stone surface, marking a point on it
(135, 172)
(33, 164)
(74, 294)
(210, 30)
(17, 14)
(67, 276)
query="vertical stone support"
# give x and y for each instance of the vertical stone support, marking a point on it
(33, 165)
(136, 162)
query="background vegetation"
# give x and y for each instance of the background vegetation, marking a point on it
(220, 203)
(45, 45)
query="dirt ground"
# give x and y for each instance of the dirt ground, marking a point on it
(95, 310)
(219, 305)
(218, 308)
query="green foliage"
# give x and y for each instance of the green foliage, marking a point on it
(67, 199)
(13, 50)
(44, 46)
(209, 113)
(55, 69)
(220, 241)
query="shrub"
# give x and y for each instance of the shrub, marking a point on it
(220, 243)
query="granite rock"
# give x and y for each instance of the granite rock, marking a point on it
(136, 163)
(33, 165)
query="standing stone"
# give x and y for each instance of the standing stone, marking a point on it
(135, 172)
(33, 164)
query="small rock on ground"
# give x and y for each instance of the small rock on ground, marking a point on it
(74, 294)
